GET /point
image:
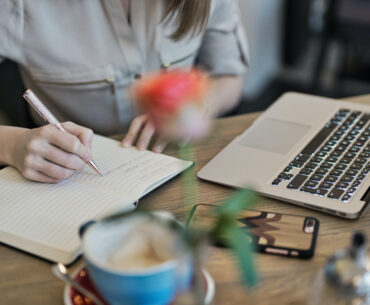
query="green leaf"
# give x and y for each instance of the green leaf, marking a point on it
(243, 250)
(239, 201)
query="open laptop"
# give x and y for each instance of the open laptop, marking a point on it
(306, 150)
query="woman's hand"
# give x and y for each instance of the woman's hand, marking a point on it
(142, 130)
(47, 154)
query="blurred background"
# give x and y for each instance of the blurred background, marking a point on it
(319, 47)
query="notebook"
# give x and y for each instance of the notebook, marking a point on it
(306, 150)
(44, 219)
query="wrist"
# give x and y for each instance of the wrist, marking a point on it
(9, 138)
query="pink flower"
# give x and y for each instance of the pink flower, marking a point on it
(174, 101)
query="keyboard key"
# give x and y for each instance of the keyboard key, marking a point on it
(297, 182)
(302, 157)
(321, 154)
(285, 176)
(351, 190)
(316, 177)
(346, 197)
(346, 178)
(287, 169)
(342, 185)
(325, 185)
(321, 171)
(350, 155)
(341, 166)
(307, 189)
(365, 171)
(316, 159)
(331, 178)
(364, 155)
(354, 149)
(349, 138)
(343, 111)
(360, 160)
(345, 160)
(276, 182)
(362, 138)
(351, 172)
(311, 183)
(340, 148)
(331, 159)
(336, 172)
(359, 143)
(317, 140)
(321, 191)
(336, 154)
(326, 165)
(356, 183)
(335, 193)
(361, 177)
(356, 166)
(334, 138)
(330, 143)
(296, 164)
(305, 171)
(326, 148)
(311, 165)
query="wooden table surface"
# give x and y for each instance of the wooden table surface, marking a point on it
(25, 279)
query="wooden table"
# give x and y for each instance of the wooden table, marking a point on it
(25, 279)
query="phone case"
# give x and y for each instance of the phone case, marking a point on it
(273, 233)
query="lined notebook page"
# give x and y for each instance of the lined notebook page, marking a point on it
(127, 170)
(51, 214)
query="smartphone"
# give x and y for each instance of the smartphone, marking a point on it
(271, 232)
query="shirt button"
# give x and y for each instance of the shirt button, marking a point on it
(137, 76)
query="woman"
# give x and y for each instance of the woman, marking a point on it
(80, 58)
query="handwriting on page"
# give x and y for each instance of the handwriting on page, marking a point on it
(131, 172)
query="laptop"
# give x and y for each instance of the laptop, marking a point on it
(306, 150)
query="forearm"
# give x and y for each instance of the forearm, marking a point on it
(225, 94)
(8, 138)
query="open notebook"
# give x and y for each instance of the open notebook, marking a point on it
(44, 219)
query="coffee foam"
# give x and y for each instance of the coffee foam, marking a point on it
(144, 245)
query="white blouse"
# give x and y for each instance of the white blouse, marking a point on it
(81, 56)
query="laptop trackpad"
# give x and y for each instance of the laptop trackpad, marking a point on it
(275, 136)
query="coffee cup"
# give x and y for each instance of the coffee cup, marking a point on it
(137, 260)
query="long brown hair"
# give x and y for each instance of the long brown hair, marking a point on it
(191, 16)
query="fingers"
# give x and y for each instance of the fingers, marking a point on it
(60, 157)
(142, 128)
(64, 140)
(39, 177)
(134, 130)
(85, 135)
(39, 169)
(159, 145)
(146, 136)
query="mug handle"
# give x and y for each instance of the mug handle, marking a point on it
(84, 227)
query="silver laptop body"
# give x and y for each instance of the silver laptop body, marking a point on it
(275, 155)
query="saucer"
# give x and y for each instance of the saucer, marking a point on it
(73, 297)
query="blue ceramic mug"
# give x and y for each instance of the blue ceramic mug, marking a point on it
(155, 285)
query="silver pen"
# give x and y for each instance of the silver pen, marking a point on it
(41, 109)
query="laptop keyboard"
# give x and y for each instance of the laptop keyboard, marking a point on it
(335, 162)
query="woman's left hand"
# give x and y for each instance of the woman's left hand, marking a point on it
(143, 131)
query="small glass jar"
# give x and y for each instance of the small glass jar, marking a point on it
(345, 279)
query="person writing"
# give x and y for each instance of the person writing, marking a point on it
(81, 58)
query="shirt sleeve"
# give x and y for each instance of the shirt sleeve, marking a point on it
(11, 29)
(224, 49)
